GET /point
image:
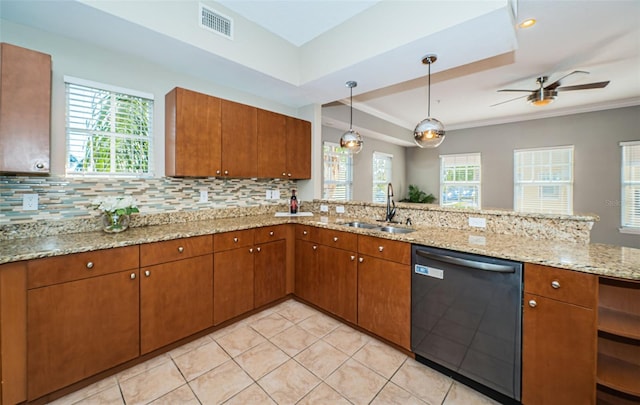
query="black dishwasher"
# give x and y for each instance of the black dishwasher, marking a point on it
(466, 319)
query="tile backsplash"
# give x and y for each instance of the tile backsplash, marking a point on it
(61, 198)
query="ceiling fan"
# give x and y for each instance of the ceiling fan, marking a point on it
(544, 95)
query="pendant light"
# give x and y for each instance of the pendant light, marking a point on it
(429, 133)
(351, 140)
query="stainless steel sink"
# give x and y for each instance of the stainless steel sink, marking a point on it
(395, 229)
(364, 225)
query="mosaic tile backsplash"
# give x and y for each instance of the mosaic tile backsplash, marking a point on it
(62, 198)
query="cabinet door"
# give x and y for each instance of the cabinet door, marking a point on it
(80, 328)
(558, 352)
(384, 299)
(306, 271)
(272, 145)
(239, 140)
(176, 300)
(270, 272)
(232, 283)
(192, 134)
(298, 148)
(338, 277)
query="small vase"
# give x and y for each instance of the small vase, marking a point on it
(114, 223)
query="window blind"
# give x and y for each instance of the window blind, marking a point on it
(460, 180)
(630, 201)
(108, 132)
(543, 180)
(337, 173)
(382, 165)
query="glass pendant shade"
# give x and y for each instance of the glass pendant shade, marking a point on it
(352, 141)
(429, 133)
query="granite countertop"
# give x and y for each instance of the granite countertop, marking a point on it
(605, 260)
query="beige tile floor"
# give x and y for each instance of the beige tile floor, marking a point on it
(288, 354)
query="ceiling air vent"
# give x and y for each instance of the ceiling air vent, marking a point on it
(216, 22)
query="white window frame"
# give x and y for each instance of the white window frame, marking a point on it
(561, 186)
(381, 184)
(473, 186)
(72, 127)
(630, 188)
(329, 183)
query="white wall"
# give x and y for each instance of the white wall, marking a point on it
(363, 161)
(597, 160)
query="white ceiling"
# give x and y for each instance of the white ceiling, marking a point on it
(380, 45)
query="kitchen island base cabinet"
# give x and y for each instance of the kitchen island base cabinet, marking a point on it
(80, 328)
(338, 278)
(559, 337)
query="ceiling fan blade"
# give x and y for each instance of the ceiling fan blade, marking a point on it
(508, 101)
(597, 85)
(506, 90)
(556, 84)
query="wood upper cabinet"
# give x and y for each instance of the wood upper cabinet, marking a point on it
(384, 289)
(25, 110)
(239, 140)
(81, 327)
(559, 343)
(193, 145)
(176, 290)
(284, 146)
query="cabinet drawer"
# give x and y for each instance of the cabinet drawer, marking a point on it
(60, 269)
(338, 239)
(385, 249)
(232, 240)
(170, 250)
(562, 285)
(306, 232)
(270, 233)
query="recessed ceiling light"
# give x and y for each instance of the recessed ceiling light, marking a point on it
(528, 23)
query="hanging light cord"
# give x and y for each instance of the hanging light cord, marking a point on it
(429, 92)
(351, 109)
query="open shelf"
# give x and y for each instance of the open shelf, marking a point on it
(606, 396)
(619, 323)
(618, 374)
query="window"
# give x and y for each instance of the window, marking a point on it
(630, 186)
(338, 173)
(543, 180)
(381, 176)
(460, 180)
(109, 130)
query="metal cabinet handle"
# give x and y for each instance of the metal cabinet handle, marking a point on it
(335, 238)
(315, 248)
(361, 259)
(289, 174)
(226, 172)
(271, 233)
(147, 273)
(258, 249)
(39, 165)
(380, 248)
(304, 232)
(133, 276)
(235, 240)
(90, 265)
(180, 249)
(555, 284)
(533, 303)
(284, 174)
(217, 171)
(353, 258)
(250, 250)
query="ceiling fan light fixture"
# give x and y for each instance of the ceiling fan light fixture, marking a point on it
(542, 97)
(351, 140)
(429, 133)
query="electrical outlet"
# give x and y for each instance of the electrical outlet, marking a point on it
(477, 222)
(30, 202)
(339, 209)
(324, 208)
(275, 194)
(204, 196)
(269, 195)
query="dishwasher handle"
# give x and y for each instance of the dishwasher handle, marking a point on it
(498, 268)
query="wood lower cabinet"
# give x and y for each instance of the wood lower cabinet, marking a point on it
(384, 289)
(25, 110)
(337, 284)
(559, 336)
(270, 275)
(77, 329)
(307, 272)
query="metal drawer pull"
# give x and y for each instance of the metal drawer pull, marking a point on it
(226, 172)
(147, 273)
(39, 165)
(555, 284)
(180, 249)
(315, 248)
(258, 249)
(90, 265)
(289, 174)
(217, 171)
(284, 174)
(353, 258)
(335, 238)
(533, 303)
(133, 276)
(271, 233)
(380, 248)
(304, 232)
(250, 250)
(361, 259)
(235, 240)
